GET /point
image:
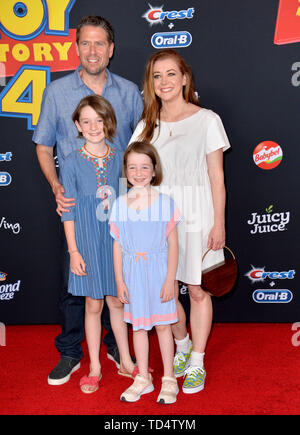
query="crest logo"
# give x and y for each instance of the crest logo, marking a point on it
(156, 14)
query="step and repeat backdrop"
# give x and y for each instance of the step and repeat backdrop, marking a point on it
(246, 63)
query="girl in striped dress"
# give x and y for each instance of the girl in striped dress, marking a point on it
(91, 176)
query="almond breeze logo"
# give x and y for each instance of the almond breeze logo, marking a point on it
(171, 39)
(8, 291)
(269, 222)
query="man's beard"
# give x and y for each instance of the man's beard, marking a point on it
(94, 72)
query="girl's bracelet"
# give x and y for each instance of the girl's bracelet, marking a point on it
(72, 252)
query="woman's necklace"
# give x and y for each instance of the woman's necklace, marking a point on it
(170, 126)
(175, 118)
(94, 155)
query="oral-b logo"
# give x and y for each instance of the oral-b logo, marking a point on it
(263, 296)
(5, 178)
(171, 39)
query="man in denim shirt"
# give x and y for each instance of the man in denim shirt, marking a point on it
(95, 45)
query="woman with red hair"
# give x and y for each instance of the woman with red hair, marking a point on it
(190, 141)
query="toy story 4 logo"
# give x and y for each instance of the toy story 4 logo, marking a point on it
(288, 22)
(35, 40)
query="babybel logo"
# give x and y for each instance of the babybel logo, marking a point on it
(288, 22)
(171, 39)
(267, 155)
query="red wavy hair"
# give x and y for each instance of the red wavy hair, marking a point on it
(152, 103)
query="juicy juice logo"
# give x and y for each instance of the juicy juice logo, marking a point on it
(35, 40)
(269, 222)
(267, 155)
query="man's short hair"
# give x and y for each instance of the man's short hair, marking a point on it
(97, 21)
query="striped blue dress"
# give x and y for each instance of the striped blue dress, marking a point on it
(143, 237)
(94, 190)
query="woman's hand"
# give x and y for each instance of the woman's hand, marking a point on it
(216, 238)
(122, 293)
(77, 264)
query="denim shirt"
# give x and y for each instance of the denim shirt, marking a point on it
(60, 99)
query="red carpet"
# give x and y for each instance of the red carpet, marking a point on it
(252, 369)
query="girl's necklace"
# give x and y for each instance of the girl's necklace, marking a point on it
(94, 155)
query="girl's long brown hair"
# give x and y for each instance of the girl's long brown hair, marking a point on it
(152, 103)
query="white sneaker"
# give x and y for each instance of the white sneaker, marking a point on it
(169, 390)
(140, 386)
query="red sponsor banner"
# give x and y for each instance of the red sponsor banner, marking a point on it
(58, 52)
(288, 22)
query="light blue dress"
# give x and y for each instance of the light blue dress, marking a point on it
(89, 184)
(143, 238)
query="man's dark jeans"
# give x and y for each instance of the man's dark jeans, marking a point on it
(72, 309)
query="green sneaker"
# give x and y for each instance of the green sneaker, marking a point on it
(182, 361)
(194, 380)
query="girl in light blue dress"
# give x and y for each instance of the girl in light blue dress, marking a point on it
(91, 176)
(143, 224)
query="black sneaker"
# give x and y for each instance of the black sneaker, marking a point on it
(62, 372)
(113, 355)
